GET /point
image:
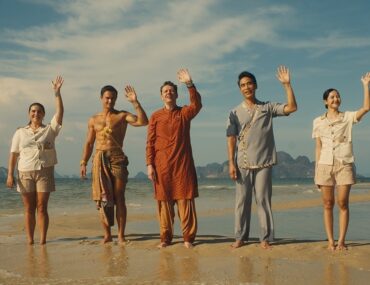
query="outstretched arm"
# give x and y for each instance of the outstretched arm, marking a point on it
(366, 106)
(140, 119)
(57, 85)
(283, 76)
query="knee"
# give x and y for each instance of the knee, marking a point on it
(343, 204)
(30, 210)
(42, 209)
(328, 204)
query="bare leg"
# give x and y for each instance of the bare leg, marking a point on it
(29, 202)
(42, 214)
(107, 233)
(121, 209)
(328, 203)
(343, 201)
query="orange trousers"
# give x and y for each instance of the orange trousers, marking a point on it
(187, 215)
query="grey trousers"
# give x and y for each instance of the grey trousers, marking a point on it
(258, 181)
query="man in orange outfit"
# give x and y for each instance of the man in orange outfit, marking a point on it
(170, 161)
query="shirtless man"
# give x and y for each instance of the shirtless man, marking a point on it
(109, 170)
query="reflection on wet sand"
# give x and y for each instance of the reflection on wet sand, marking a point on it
(115, 260)
(336, 274)
(37, 263)
(174, 267)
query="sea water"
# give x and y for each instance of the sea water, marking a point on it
(215, 207)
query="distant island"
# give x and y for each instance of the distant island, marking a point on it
(287, 168)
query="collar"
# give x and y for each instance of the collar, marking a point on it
(256, 104)
(325, 116)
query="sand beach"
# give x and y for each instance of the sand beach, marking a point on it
(74, 253)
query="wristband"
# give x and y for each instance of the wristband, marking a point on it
(189, 84)
(83, 162)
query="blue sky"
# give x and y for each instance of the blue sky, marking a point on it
(93, 43)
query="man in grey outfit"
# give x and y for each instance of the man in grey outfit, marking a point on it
(252, 153)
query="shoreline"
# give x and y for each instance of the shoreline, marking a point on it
(74, 253)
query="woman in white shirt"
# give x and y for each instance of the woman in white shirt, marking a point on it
(33, 148)
(334, 159)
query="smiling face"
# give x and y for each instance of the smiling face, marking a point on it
(108, 100)
(169, 95)
(333, 100)
(248, 88)
(36, 114)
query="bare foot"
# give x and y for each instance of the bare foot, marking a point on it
(265, 244)
(237, 244)
(42, 242)
(188, 244)
(162, 245)
(342, 246)
(121, 240)
(107, 239)
(331, 246)
(31, 242)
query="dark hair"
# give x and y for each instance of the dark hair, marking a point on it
(326, 95)
(247, 74)
(109, 88)
(170, 83)
(36, 104)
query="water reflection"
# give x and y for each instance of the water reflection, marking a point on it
(38, 264)
(116, 261)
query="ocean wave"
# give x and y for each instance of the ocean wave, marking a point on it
(134, 205)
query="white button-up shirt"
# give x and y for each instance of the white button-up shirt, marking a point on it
(36, 149)
(336, 137)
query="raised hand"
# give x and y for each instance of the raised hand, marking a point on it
(57, 83)
(130, 94)
(184, 76)
(366, 79)
(283, 74)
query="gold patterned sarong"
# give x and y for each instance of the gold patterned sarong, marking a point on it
(106, 165)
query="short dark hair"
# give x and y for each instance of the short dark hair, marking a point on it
(326, 94)
(247, 74)
(108, 88)
(170, 83)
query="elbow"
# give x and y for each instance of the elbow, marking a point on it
(141, 123)
(290, 109)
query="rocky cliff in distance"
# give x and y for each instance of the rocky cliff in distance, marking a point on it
(287, 167)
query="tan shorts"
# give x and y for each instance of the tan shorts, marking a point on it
(36, 180)
(337, 174)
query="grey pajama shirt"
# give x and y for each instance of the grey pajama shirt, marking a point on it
(254, 156)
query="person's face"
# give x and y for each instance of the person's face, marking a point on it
(333, 101)
(247, 87)
(108, 100)
(168, 94)
(36, 114)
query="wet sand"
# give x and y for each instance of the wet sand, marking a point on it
(74, 255)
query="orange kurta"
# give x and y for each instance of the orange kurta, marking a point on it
(169, 150)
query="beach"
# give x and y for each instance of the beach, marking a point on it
(74, 253)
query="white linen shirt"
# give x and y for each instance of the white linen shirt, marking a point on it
(36, 150)
(336, 137)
